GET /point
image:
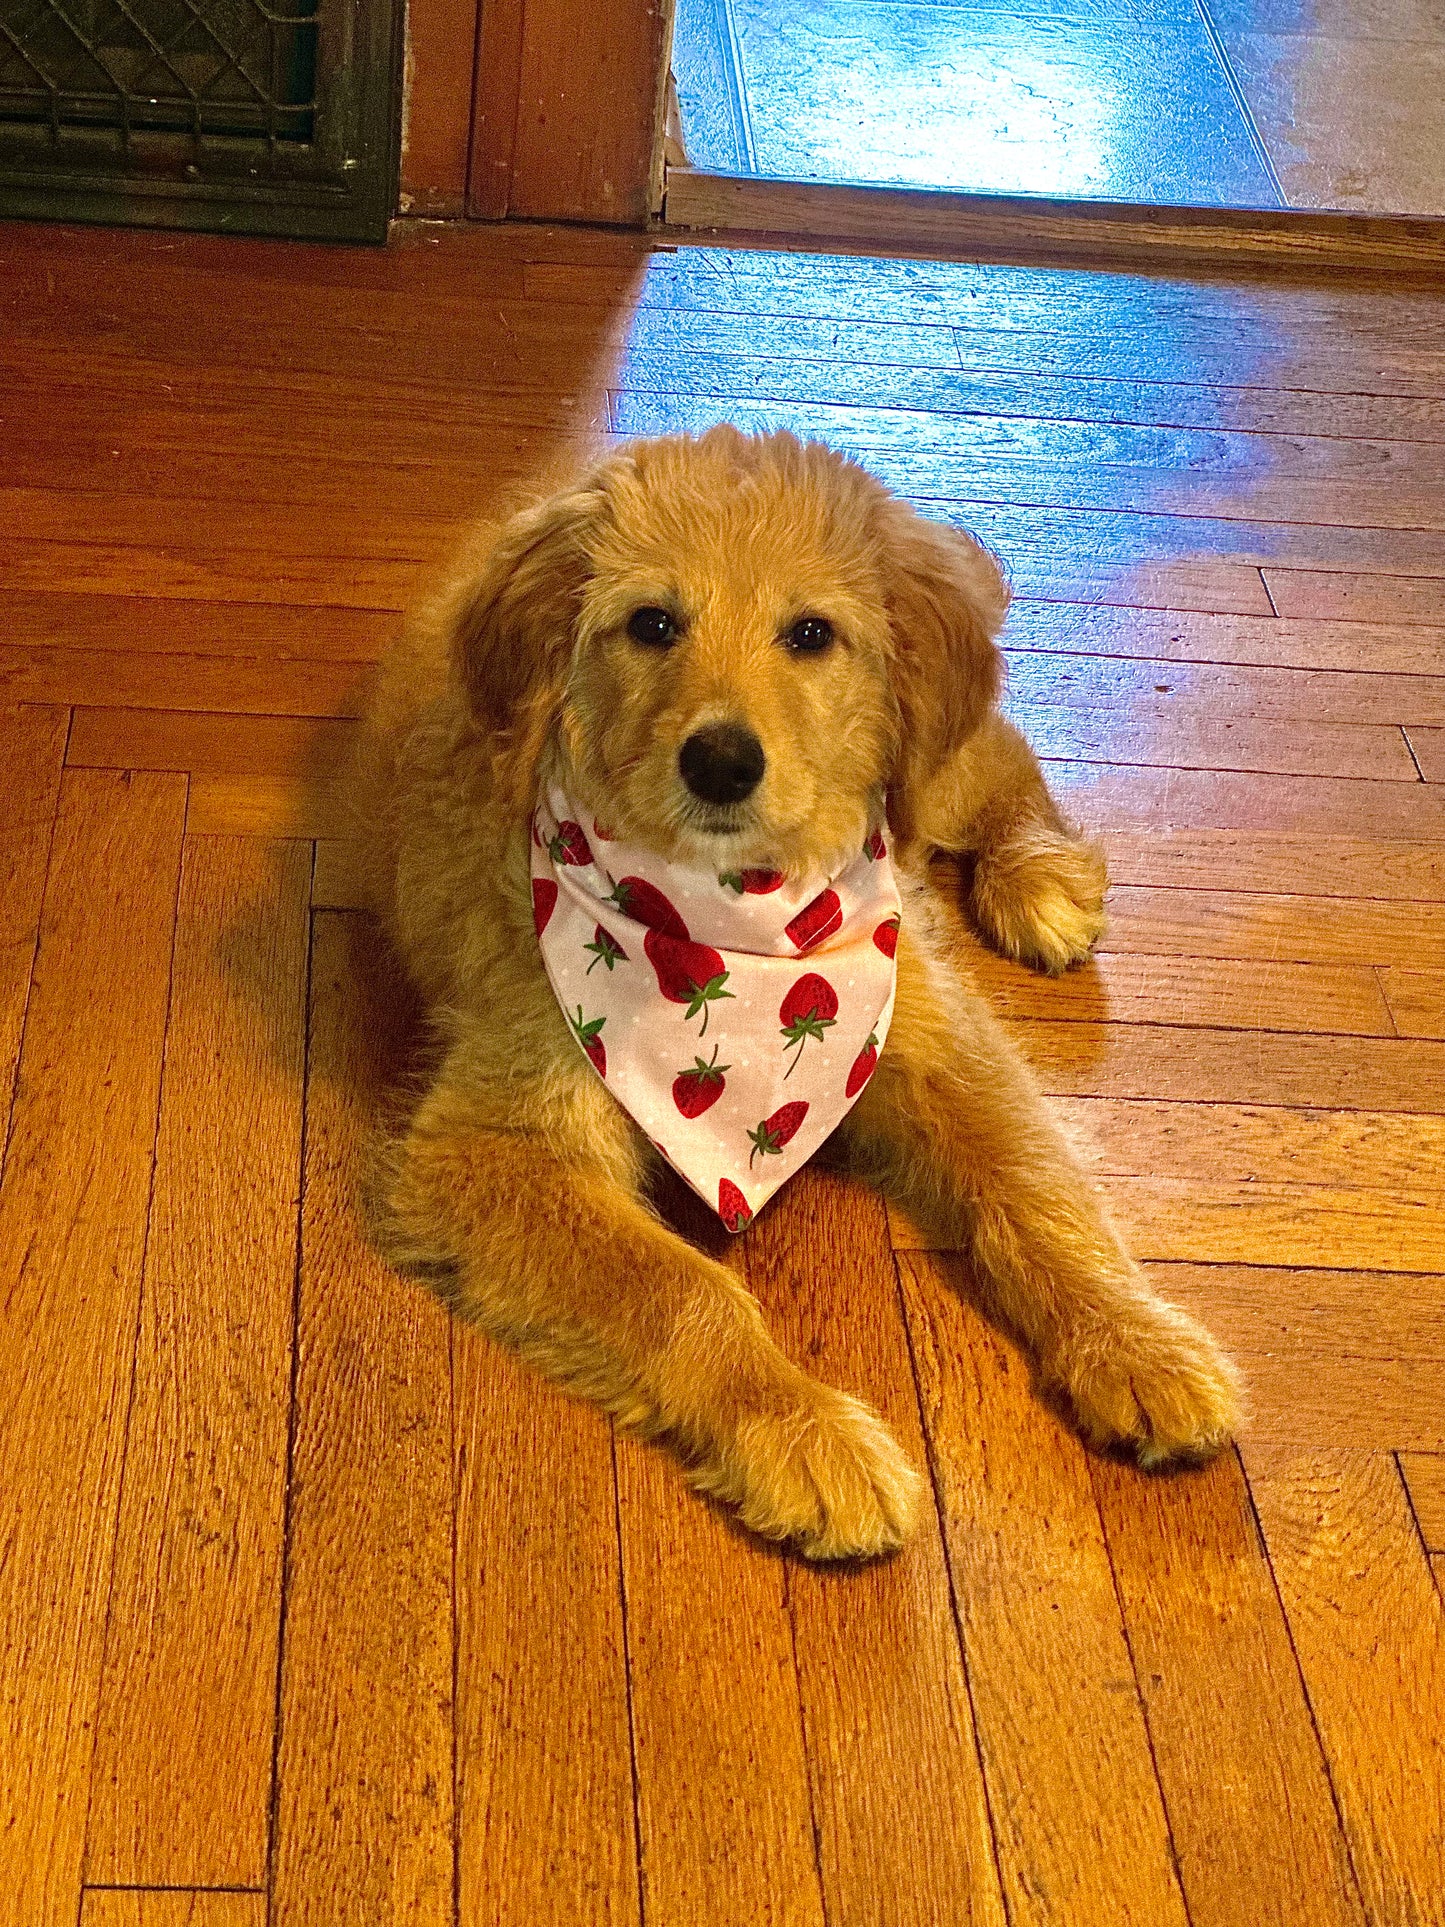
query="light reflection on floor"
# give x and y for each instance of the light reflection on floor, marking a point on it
(1086, 425)
(1229, 103)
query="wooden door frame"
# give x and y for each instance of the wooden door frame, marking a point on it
(544, 110)
(568, 110)
(436, 123)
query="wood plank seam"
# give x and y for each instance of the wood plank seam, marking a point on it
(274, 1804)
(637, 1835)
(139, 1300)
(815, 1825)
(1179, 1023)
(1309, 1704)
(935, 1485)
(1437, 1571)
(1376, 971)
(1141, 1698)
(1257, 890)
(6, 1123)
(1344, 1355)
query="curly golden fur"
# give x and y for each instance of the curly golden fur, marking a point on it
(520, 1172)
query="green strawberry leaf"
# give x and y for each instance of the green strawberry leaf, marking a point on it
(704, 995)
(810, 1024)
(607, 951)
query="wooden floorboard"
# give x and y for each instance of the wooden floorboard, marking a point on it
(32, 748)
(900, 1802)
(718, 1739)
(1175, 636)
(363, 1819)
(121, 1907)
(181, 1779)
(73, 1215)
(1259, 1839)
(1078, 1813)
(1424, 1475)
(1369, 1628)
(544, 1796)
(1282, 862)
(318, 1607)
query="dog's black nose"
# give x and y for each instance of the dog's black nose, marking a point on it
(723, 763)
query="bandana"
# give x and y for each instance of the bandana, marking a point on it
(734, 1017)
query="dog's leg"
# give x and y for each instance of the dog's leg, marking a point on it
(953, 1128)
(1038, 886)
(556, 1254)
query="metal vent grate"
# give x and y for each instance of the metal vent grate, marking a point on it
(197, 67)
(274, 116)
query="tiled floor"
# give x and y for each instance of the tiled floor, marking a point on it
(1218, 103)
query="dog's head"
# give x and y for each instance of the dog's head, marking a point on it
(736, 644)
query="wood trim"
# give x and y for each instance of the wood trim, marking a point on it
(568, 110)
(1008, 227)
(494, 109)
(436, 128)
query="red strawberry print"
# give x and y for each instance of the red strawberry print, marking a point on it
(697, 1090)
(875, 849)
(586, 1035)
(823, 917)
(886, 937)
(775, 1131)
(635, 897)
(864, 1065)
(570, 846)
(810, 1008)
(544, 902)
(608, 950)
(732, 1206)
(603, 836)
(752, 883)
(687, 973)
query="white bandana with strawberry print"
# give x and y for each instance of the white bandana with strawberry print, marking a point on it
(735, 1017)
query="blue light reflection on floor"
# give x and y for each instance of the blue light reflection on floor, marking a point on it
(1091, 418)
(1068, 102)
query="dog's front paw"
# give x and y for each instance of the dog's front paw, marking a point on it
(1039, 898)
(1158, 1385)
(825, 1473)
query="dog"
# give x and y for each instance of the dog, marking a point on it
(768, 593)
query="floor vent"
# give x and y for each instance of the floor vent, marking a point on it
(257, 116)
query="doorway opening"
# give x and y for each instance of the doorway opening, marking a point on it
(1317, 105)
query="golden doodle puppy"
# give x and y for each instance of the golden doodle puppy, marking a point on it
(737, 654)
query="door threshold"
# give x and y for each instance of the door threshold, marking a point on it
(825, 216)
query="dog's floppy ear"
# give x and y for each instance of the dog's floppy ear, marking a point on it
(946, 598)
(515, 624)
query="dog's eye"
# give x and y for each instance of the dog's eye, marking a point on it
(653, 627)
(810, 636)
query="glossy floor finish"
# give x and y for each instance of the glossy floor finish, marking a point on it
(315, 1607)
(1204, 103)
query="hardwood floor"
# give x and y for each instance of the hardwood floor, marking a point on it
(315, 1607)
